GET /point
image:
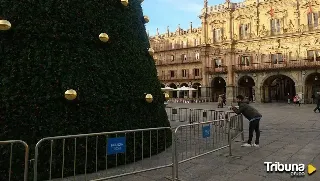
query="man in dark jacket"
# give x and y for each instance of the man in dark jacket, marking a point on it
(254, 119)
(317, 97)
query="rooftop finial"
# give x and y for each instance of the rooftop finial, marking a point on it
(157, 31)
(191, 26)
(168, 30)
(205, 3)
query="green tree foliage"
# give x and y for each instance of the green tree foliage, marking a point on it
(54, 46)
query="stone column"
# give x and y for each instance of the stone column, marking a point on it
(230, 86)
(257, 94)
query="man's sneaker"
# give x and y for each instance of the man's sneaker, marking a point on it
(246, 145)
(255, 145)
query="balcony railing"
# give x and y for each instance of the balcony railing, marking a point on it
(212, 70)
(293, 64)
(177, 61)
(158, 48)
(179, 77)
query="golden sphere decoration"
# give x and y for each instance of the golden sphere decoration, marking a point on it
(104, 37)
(125, 2)
(151, 51)
(5, 25)
(149, 98)
(146, 19)
(166, 96)
(70, 94)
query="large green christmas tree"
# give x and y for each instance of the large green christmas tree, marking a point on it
(54, 46)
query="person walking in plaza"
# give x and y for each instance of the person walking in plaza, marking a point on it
(220, 101)
(296, 100)
(224, 99)
(254, 120)
(317, 99)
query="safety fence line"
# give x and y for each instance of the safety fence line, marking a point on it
(131, 151)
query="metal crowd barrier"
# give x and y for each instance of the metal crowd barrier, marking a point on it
(188, 142)
(193, 115)
(26, 157)
(117, 147)
(195, 140)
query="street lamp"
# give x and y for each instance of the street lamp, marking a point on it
(316, 78)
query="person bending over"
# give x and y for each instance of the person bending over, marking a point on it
(254, 119)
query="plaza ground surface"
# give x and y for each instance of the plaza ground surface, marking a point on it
(290, 134)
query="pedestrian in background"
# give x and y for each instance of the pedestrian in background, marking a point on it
(317, 99)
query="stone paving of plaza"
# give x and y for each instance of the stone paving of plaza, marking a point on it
(290, 134)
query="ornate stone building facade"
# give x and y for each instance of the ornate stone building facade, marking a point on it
(266, 50)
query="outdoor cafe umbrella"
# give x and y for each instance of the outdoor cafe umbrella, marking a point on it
(167, 89)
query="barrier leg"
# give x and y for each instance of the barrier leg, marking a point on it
(241, 127)
(229, 138)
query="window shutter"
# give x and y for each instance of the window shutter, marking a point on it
(214, 35)
(200, 71)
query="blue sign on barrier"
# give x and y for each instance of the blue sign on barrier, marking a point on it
(206, 131)
(116, 145)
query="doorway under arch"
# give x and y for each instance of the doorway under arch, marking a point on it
(184, 94)
(174, 93)
(278, 88)
(246, 87)
(312, 86)
(218, 85)
(197, 93)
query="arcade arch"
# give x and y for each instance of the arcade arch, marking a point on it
(218, 87)
(183, 94)
(278, 88)
(197, 93)
(246, 87)
(312, 85)
(174, 93)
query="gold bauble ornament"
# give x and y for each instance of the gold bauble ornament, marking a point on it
(149, 98)
(104, 37)
(166, 96)
(125, 2)
(151, 51)
(146, 19)
(70, 94)
(5, 25)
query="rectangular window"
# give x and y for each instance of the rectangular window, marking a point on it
(196, 72)
(183, 57)
(185, 43)
(218, 63)
(245, 61)
(313, 20)
(217, 35)
(244, 30)
(184, 73)
(277, 58)
(172, 58)
(313, 55)
(197, 56)
(171, 73)
(275, 26)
